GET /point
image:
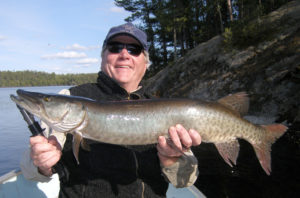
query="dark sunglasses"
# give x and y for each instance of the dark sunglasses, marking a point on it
(117, 47)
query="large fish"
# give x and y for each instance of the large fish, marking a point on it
(142, 121)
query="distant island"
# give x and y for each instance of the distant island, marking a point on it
(36, 78)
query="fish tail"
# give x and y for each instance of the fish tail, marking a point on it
(263, 149)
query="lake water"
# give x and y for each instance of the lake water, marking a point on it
(14, 134)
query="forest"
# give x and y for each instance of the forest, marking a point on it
(176, 26)
(173, 28)
(34, 78)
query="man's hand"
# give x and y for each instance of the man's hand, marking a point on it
(181, 139)
(45, 153)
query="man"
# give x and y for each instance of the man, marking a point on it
(112, 170)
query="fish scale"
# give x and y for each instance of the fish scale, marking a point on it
(143, 121)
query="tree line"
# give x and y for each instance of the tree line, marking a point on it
(34, 78)
(176, 26)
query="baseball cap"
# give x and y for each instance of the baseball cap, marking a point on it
(129, 29)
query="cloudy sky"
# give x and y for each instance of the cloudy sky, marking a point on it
(61, 36)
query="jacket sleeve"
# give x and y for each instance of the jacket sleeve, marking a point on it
(29, 170)
(184, 172)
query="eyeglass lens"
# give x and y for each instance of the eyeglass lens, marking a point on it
(117, 47)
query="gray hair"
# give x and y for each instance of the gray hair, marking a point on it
(146, 54)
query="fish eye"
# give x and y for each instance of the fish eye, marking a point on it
(47, 99)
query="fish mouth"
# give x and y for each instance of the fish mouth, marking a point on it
(29, 101)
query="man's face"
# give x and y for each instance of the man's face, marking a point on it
(128, 70)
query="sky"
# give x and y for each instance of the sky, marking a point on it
(60, 36)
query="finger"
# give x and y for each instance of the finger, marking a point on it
(41, 158)
(184, 136)
(169, 152)
(37, 149)
(195, 136)
(46, 155)
(53, 140)
(47, 159)
(164, 148)
(162, 141)
(175, 137)
(37, 139)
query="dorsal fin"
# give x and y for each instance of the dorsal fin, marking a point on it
(238, 102)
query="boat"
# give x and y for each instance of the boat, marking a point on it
(13, 184)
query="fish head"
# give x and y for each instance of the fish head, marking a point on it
(60, 112)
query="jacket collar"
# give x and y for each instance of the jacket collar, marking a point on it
(110, 86)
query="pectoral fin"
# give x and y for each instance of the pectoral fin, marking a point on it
(229, 151)
(77, 138)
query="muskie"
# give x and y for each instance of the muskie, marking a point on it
(142, 121)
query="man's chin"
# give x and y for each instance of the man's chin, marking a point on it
(123, 77)
(122, 80)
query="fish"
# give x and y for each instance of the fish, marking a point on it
(141, 122)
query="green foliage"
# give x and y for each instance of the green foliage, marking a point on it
(33, 78)
(228, 38)
(175, 26)
(241, 35)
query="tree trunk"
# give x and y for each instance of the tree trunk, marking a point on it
(230, 10)
(221, 18)
(175, 44)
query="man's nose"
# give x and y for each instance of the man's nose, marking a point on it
(124, 52)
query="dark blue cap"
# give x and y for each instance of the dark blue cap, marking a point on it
(129, 29)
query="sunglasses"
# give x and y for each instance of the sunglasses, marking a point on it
(117, 47)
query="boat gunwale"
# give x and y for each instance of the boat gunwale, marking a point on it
(10, 175)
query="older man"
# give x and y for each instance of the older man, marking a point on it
(112, 170)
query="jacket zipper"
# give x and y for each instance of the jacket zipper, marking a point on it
(136, 173)
(137, 165)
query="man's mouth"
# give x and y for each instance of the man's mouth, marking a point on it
(123, 66)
